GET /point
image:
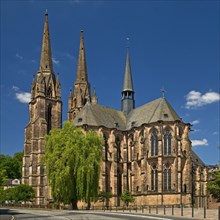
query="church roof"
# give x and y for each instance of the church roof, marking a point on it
(153, 111)
(97, 115)
(196, 160)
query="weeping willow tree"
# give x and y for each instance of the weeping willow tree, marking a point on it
(73, 161)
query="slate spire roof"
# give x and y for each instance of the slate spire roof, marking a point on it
(128, 83)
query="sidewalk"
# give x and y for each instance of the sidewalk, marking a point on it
(211, 214)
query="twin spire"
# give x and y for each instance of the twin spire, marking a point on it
(81, 76)
(46, 56)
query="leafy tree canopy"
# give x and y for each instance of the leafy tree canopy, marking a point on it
(213, 185)
(126, 197)
(22, 193)
(73, 159)
(10, 167)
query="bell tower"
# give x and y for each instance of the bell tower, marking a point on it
(81, 88)
(45, 109)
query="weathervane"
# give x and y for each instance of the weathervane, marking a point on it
(163, 91)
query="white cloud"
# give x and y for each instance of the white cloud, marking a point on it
(195, 99)
(55, 61)
(19, 56)
(199, 142)
(15, 88)
(23, 97)
(215, 133)
(195, 122)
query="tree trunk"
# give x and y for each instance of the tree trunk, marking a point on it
(74, 204)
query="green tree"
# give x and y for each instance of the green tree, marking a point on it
(23, 193)
(213, 185)
(10, 167)
(73, 159)
(126, 197)
(104, 197)
(3, 176)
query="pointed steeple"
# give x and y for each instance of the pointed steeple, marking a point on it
(128, 83)
(46, 56)
(81, 75)
(127, 102)
(81, 89)
(94, 97)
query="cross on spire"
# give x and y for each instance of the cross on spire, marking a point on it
(163, 91)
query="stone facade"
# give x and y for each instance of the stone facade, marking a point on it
(147, 149)
(45, 110)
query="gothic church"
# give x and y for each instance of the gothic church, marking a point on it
(147, 149)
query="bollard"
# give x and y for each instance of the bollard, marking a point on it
(149, 209)
(123, 209)
(136, 208)
(142, 209)
(116, 208)
(192, 210)
(130, 209)
(181, 210)
(164, 210)
(156, 209)
(219, 212)
(204, 212)
(172, 210)
(104, 208)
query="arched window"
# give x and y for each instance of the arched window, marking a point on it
(154, 178)
(49, 117)
(154, 143)
(167, 178)
(167, 145)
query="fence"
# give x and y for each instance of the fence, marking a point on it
(201, 213)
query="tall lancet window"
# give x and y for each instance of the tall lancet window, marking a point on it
(167, 145)
(49, 118)
(167, 177)
(154, 143)
(49, 92)
(154, 178)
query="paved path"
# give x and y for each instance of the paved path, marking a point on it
(37, 214)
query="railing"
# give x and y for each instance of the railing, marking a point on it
(179, 210)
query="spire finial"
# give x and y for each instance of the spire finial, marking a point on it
(127, 42)
(163, 92)
(46, 12)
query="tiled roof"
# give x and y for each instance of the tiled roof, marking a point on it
(97, 115)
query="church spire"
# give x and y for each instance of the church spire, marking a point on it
(128, 83)
(81, 89)
(128, 102)
(46, 57)
(81, 75)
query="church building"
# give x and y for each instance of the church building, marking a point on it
(147, 149)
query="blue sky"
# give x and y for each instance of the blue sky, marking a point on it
(174, 44)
